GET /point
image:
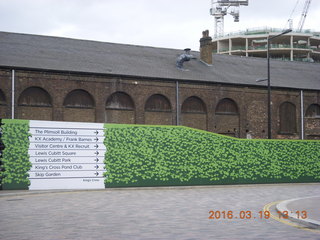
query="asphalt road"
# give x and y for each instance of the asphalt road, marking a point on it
(152, 213)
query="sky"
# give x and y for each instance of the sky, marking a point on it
(159, 23)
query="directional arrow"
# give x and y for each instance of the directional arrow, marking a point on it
(96, 146)
(96, 153)
(96, 132)
(96, 139)
(96, 173)
(96, 160)
(96, 166)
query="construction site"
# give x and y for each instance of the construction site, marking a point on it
(297, 45)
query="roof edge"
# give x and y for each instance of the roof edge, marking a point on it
(148, 78)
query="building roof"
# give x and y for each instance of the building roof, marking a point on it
(65, 54)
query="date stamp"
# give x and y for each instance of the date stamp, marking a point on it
(248, 214)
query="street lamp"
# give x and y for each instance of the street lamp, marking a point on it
(268, 79)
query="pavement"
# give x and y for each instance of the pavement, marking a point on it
(161, 213)
(305, 211)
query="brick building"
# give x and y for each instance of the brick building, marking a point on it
(63, 79)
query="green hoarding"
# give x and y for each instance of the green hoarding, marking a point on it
(142, 155)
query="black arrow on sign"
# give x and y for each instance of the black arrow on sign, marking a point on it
(97, 139)
(96, 146)
(96, 166)
(96, 153)
(96, 160)
(96, 132)
(96, 173)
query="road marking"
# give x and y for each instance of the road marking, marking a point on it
(267, 208)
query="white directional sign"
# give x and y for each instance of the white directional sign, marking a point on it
(66, 155)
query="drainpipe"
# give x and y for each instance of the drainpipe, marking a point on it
(177, 103)
(302, 114)
(12, 93)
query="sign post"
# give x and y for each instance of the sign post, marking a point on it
(66, 155)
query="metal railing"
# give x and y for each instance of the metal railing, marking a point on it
(264, 47)
(272, 46)
(236, 48)
(267, 30)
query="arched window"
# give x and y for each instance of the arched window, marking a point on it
(79, 99)
(158, 103)
(120, 109)
(287, 113)
(2, 98)
(34, 103)
(227, 119)
(193, 105)
(194, 113)
(79, 107)
(35, 97)
(120, 101)
(227, 106)
(158, 110)
(313, 111)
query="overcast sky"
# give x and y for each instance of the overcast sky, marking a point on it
(160, 23)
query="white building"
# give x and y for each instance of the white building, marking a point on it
(294, 46)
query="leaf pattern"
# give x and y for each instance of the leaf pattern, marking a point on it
(140, 155)
(15, 161)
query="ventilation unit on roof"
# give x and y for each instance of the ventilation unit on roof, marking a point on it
(185, 57)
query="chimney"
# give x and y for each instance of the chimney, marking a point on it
(206, 48)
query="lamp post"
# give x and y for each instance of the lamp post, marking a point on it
(268, 79)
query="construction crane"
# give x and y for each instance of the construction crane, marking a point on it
(303, 15)
(219, 8)
(290, 20)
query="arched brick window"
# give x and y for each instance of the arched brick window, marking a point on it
(227, 119)
(158, 110)
(193, 105)
(287, 113)
(313, 111)
(79, 99)
(227, 106)
(79, 107)
(120, 100)
(35, 97)
(3, 101)
(34, 103)
(120, 109)
(158, 103)
(194, 113)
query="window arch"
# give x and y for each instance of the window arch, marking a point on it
(120, 101)
(227, 106)
(313, 111)
(35, 97)
(193, 105)
(79, 99)
(194, 113)
(2, 98)
(158, 103)
(287, 112)
(120, 109)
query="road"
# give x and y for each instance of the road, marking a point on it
(150, 213)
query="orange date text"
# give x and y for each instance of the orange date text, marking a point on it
(247, 214)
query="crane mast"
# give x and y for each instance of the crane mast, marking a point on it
(304, 15)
